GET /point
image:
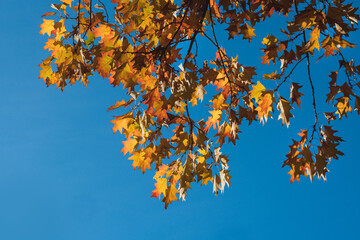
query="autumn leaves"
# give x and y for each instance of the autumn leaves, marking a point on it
(150, 49)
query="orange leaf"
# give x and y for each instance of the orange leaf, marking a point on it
(68, 2)
(264, 107)
(122, 122)
(117, 105)
(216, 9)
(140, 161)
(161, 172)
(213, 119)
(105, 64)
(47, 27)
(48, 14)
(129, 145)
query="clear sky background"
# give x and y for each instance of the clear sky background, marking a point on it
(62, 175)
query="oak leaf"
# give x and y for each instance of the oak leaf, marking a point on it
(129, 145)
(160, 188)
(47, 27)
(213, 119)
(247, 32)
(154, 51)
(265, 107)
(122, 122)
(170, 195)
(257, 91)
(295, 94)
(284, 107)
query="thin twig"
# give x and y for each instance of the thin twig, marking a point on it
(287, 76)
(310, 80)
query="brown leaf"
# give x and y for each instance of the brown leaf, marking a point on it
(295, 94)
(284, 107)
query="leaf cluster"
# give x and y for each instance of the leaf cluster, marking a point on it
(150, 48)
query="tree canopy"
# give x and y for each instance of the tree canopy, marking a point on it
(150, 49)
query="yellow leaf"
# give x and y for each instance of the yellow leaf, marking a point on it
(315, 34)
(269, 40)
(47, 27)
(206, 177)
(170, 196)
(68, 2)
(122, 122)
(343, 106)
(160, 187)
(257, 91)
(140, 161)
(272, 75)
(104, 66)
(161, 172)
(46, 71)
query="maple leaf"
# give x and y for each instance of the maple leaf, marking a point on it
(329, 149)
(219, 102)
(103, 31)
(206, 177)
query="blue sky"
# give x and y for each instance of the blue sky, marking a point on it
(62, 175)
